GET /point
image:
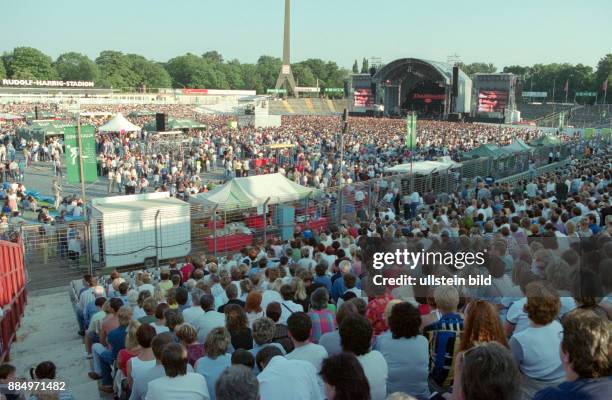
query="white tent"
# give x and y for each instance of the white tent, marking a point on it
(424, 167)
(119, 124)
(253, 191)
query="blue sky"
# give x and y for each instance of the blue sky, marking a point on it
(510, 32)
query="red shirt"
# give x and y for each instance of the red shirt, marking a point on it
(375, 313)
(186, 271)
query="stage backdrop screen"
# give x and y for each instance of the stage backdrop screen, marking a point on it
(363, 98)
(492, 100)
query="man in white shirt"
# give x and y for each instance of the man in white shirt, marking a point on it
(193, 313)
(178, 383)
(283, 379)
(210, 319)
(299, 326)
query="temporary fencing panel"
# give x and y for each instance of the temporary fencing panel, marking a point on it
(13, 295)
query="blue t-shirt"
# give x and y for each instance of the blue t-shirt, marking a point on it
(116, 339)
(581, 389)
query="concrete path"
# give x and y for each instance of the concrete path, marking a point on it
(48, 332)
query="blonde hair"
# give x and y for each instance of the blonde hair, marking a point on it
(131, 341)
(125, 315)
(186, 333)
(446, 298)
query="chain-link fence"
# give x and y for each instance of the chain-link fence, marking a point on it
(57, 253)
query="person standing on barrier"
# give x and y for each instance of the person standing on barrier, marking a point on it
(57, 193)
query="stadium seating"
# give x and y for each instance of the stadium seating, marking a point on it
(596, 116)
(533, 112)
(307, 106)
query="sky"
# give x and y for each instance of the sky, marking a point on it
(523, 32)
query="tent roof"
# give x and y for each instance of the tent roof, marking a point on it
(253, 191)
(517, 146)
(546, 140)
(9, 116)
(119, 124)
(487, 150)
(425, 167)
(47, 127)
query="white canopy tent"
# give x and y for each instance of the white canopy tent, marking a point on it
(253, 191)
(119, 124)
(424, 167)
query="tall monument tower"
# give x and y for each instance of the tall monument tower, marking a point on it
(285, 75)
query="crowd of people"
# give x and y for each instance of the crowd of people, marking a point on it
(303, 319)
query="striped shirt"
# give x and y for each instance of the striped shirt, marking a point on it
(323, 321)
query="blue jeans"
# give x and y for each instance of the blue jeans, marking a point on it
(103, 360)
(413, 209)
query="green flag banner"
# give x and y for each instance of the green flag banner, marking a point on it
(411, 131)
(606, 132)
(589, 133)
(561, 121)
(88, 142)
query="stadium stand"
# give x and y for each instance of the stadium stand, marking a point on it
(595, 116)
(532, 112)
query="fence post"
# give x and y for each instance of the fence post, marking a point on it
(214, 223)
(369, 198)
(89, 246)
(265, 220)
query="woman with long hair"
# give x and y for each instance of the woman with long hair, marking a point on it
(237, 324)
(481, 325)
(344, 378)
(253, 308)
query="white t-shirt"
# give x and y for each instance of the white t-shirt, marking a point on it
(376, 370)
(284, 379)
(312, 352)
(190, 386)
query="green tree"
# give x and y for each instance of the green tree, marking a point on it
(76, 67)
(149, 73)
(29, 63)
(214, 57)
(2, 70)
(116, 70)
(303, 75)
(252, 78)
(364, 66)
(477, 67)
(355, 67)
(268, 68)
(604, 71)
(192, 71)
(233, 74)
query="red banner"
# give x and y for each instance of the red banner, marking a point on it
(427, 96)
(195, 91)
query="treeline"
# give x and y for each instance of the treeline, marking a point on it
(552, 78)
(209, 70)
(114, 69)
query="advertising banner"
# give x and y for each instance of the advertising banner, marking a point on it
(411, 131)
(89, 154)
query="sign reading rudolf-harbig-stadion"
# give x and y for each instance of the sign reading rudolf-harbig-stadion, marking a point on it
(42, 83)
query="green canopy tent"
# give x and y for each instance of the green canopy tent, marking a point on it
(486, 150)
(547, 140)
(141, 113)
(176, 124)
(41, 115)
(517, 146)
(41, 130)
